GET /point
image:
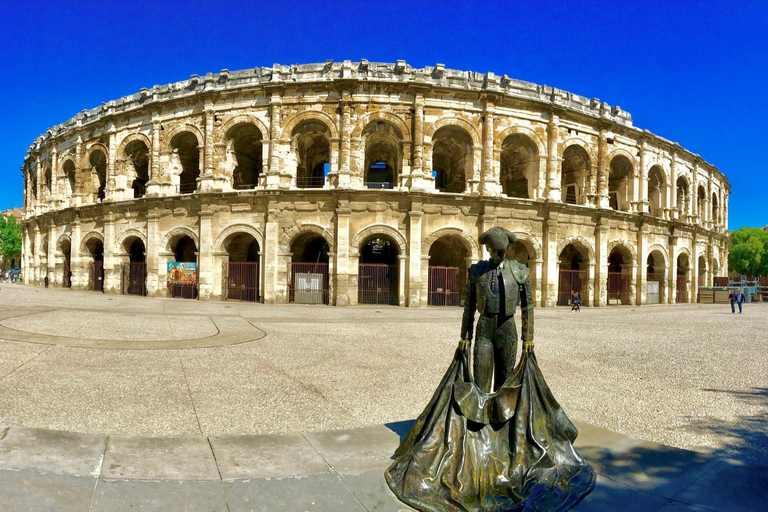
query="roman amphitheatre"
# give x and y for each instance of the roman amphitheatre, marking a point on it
(349, 183)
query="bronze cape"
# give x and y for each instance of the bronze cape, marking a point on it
(511, 450)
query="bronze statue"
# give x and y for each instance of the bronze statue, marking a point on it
(500, 442)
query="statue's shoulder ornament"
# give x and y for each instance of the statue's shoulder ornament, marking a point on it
(519, 271)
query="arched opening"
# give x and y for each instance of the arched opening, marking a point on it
(447, 271)
(574, 267)
(683, 266)
(619, 275)
(715, 210)
(382, 155)
(137, 167)
(98, 161)
(682, 196)
(96, 278)
(244, 142)
(32, 177)
(44, 262)
(715, 267)
(451, 159)
(134, 275)
(311, 143)
(182, 272)
(519, 164)
(573, 175)
(655, 272)
(656, 192)
(701, 198)
(66, 272)
(702, 271)
(13, 263)
(377, 281)
(242, 277)
(69, 175)
(186, 155)
(618, 183)
(309, 270)
(47, 175)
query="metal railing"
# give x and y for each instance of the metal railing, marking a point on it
(380, 184)
(310, 181)
(187, 188)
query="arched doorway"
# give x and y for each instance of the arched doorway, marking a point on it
(137, 167)
(242, 272)
(135, 271)
(377, 281)
(619, 276)
(619, 177)
(682, 197)
(98, 161)
(182, 272)
(574, 266)
(244, 148)
(96, 278)
(655, 272)
(683, 267)
(573, 175)
(518, 165)
(656, 192)
(309, 270)
(186, 156)
(701, 198)
(451, 159)
(66, 255)
(69, 179)
(702, 271)
(311, 143)
(447, 271)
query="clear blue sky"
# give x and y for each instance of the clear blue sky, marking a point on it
(694, 73)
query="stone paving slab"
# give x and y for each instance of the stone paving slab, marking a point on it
(164, 496)
(26, 491)
(53, 451)
(159, 458)
(356, 451)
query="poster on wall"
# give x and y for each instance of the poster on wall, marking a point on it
(182, 272)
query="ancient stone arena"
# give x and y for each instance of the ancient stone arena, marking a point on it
(367, 183)
(689, 376)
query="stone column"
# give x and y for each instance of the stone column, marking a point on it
(553, 173)
(110, 192)
(51, 257)
(643, 177)
(345, 291)
(403, 285)
(209, 181)
(205, 256)
(415, 298)
(695, 264)
(111, 264)
(538, 275)
(271, 250)
(154, 287)
(75, 259)
(53, 194)
(549, 278)
(420, 174)
(272, 181)
(26, 248)
(490, 181)
(36, 271)
(672, 270)
(603, 200)
(642, 260)
(601, 263)
(345, 143)
(672, 188)
(39, 206)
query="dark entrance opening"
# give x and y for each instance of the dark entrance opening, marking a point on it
(309, 270)
(135, 273)
(185, 148)
(242, 272)
(183, 281)
(573, 275)
(66, 271)
(96, 248)
(447, 272)
(682, 279)
(618, 278)
(377, 281)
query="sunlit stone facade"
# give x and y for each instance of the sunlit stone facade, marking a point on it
(348, 164)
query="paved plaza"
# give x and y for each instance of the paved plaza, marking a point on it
(120, 403)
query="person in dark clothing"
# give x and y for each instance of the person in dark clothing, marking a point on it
(732, 300)
(739, 299)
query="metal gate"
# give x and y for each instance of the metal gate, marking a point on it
(309, 283)
(182, 291)
(682, 289)
(97, 276)
(443, 287)
(570, 281)
(134, 278)
(653, 291)
(377, 284)
(66, 274)
(618, 288)
(243, 281)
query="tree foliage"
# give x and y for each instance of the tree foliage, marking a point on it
(10, 236)
(749, 252)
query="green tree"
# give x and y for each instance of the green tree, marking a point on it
(10, 236)
(749, 252)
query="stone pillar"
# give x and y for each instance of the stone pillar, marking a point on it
(345, 144)
(272, 181)
(490, 181)
(403, 284)
(602, 171)
(109, 193)
(710, 257)
(672, 270)
(415, 298)
(601, 262)
(538, 277)
(271, 251)
(553, 172)
(550, 277)
(205, 256)
(154, 287)
(26, 248)
(54, 194)
(75, 259)
(695, 264)
(51, 257)
(346, 293)
(36, 271)
(111, 263)
(644, 207)
(642, 263)
(421, 176)
(672, 188)
(209, 180)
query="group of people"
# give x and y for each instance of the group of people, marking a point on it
(13, 277)
(736, 297)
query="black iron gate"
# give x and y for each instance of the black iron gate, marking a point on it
(443, 289)
(618, 288)
(134, 278)
(377, 284)
(571, 281)
(97, 276)
(66, 278)
(243, 281)
(309, 283)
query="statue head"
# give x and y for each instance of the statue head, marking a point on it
(496, 240)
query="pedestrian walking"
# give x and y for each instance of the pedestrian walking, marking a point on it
(575, 302)
(732, 300)
(739, 299)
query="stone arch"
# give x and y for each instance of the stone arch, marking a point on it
(64, 237)
(87, 237)
(225, 233)
(662, 250)
(498, 139)
(178, 232)
(233, 120)
(469, 241)
(133, 137)
(131, 232)
(309, 115)
(625, 244)
(579, 242)
(290, 235)
(576, 141)
(384, 116)
(626, 154)
(379, 229)
(684, 251)
(96, 146)
(453, 121)
(530, 242)
(181, 128)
